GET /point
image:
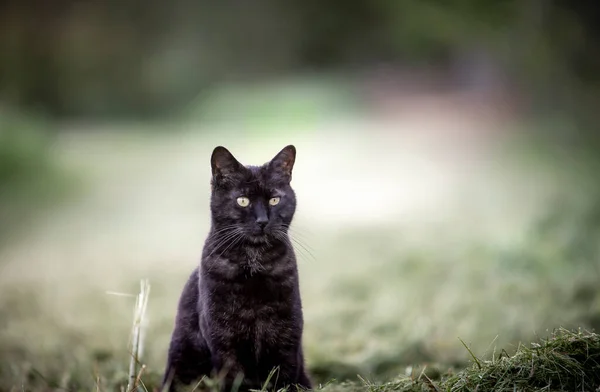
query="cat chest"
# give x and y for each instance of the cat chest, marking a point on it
(256, 314)
(255, 322)
(260, 333)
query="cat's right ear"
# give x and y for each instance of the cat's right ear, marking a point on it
(223, 164)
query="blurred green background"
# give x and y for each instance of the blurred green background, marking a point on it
(446, 173)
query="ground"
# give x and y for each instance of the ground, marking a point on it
(413, 232)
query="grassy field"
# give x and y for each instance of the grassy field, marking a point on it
(416, 232)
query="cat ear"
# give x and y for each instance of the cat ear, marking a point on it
(223, 163)
(283, 163)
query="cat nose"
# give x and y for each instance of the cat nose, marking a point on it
(262, 221)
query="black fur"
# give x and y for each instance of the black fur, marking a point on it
(240, 312)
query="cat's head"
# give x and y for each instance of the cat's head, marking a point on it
(256, 202)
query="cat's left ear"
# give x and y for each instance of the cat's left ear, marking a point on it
(283, 162)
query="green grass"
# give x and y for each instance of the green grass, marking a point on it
(565, 361)
(386, 304)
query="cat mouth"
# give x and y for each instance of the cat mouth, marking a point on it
(258, 236)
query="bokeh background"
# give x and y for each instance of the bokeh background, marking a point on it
(446, 173)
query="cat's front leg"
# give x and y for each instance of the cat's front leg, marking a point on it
(229, 372)
(304, 381)
(292, 376)
(187, 362)
(291, 372)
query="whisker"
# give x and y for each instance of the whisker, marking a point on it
(221, 230)
(301, 239)
(230, 240)
(302, 250)
(237, 239)
(226, 227)
(222, 237)
(305, 249)
(301, 242)
(223, 240)
(299, 229)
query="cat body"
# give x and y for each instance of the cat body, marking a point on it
(240, 313)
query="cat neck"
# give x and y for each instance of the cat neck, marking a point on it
(249, 259)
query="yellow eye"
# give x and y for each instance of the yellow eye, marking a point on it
(243, 201)
(274, 201)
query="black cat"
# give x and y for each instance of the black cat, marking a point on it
(240, 313)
